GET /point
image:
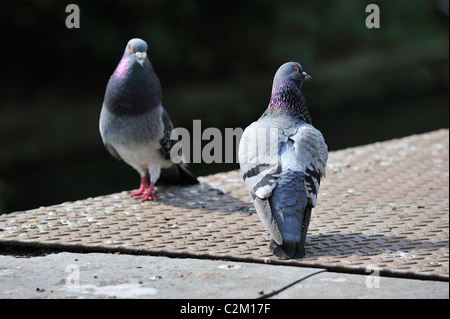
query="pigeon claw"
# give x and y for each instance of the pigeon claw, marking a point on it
(146, 194)
(137, 192)
(142, 188)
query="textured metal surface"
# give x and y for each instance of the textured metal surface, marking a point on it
(382, 205)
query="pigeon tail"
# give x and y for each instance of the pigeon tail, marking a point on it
(291, 212)
(177, 175)
(291, 248)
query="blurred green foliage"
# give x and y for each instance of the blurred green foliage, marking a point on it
(216, 61)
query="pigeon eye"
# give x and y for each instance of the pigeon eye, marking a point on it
(130, 47)
(296, 69)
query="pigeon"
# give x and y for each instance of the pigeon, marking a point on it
(135, 127)
(282, 158)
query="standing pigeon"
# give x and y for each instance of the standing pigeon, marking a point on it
(282, 158)
(133, 124)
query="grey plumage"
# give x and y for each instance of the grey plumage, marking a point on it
(133, 124)
(282, 159)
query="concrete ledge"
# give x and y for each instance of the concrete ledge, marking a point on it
(96, 275)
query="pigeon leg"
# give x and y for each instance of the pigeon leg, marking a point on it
(148, 193)
(143, 187)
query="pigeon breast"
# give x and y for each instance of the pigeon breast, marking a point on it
(132, 89)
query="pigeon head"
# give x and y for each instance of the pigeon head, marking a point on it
(290, 73)
(136, 49)
(287, 98)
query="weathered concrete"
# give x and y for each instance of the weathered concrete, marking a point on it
(96, 275)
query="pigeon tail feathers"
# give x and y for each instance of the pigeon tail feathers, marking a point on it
(293, 249)
(289, 208)
(177, 175)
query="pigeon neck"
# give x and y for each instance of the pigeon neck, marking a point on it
(288, 100)
(133, 89)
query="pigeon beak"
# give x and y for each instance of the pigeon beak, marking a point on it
(140, 57)
(307, 76)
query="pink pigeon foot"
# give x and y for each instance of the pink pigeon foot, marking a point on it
(142, 188)
(148, 193)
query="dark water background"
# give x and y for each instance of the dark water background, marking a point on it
(216, 61)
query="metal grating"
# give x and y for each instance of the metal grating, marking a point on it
(384, 205)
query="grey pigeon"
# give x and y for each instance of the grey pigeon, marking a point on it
(135, 127)
(282, 158)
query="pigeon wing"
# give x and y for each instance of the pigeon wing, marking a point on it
(312, 153)
(259, 161)
(165, 141)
